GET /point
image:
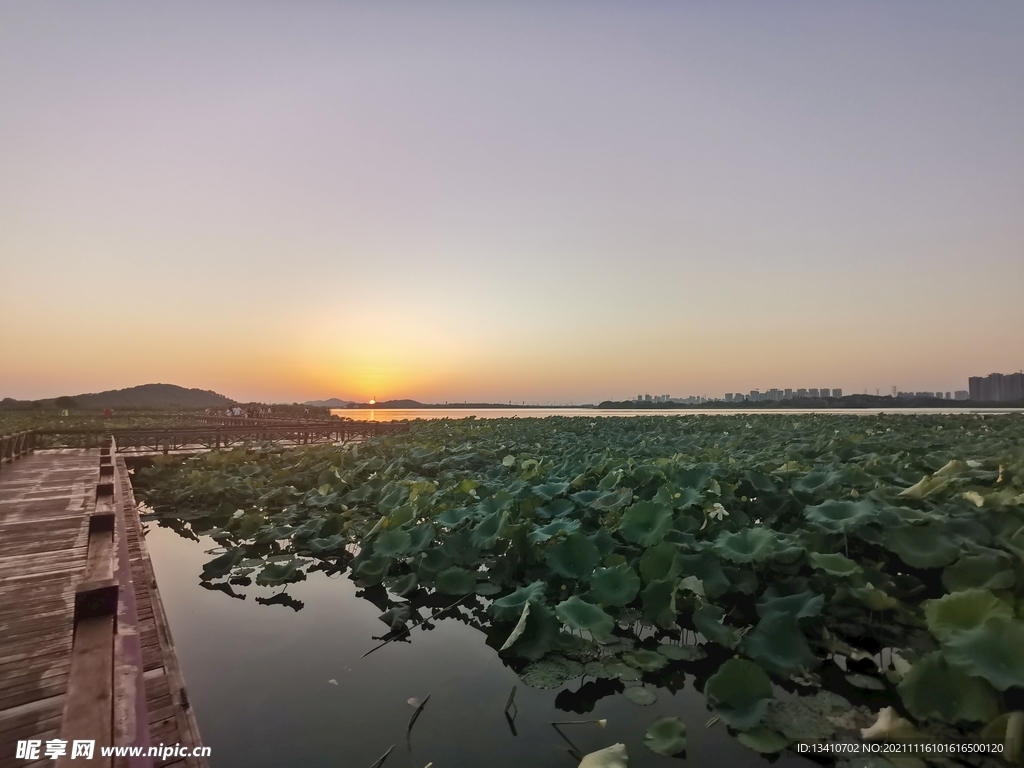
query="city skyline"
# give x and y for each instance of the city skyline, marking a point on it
(550, 202)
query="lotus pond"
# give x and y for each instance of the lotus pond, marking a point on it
(715, 588)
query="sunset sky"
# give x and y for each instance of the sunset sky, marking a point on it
(539, 201)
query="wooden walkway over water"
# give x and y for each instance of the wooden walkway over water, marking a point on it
(85, 651)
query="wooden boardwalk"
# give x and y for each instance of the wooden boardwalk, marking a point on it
(85, 651)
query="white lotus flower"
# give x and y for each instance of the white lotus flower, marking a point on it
(718, 512)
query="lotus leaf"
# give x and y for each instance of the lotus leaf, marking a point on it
(487, 532)
(779, 646)
(802, 605)
(548, 491)
(644, 660)
(579, 614)
(927, 486)
(510, 607)
(660, 562)
(740, 691)
(708, 621)
(556, 508)
(406, 584)
(681, 652)
(432, 563)
(518, 630)
(222, 564)
(987, 571)
(763, 740)
(921, 546)
(801, 719)
(551, 672)
(874, 598)
(574, 558)
(817, 481)
(554, 528)
(705, 567)
(540, 635)
(646, 523)
(640, 696)
(750, 545)
(994, 651)
(392, 542)
(932, 688)
(692, 584)
(610, 757)
(373, 569)
(276, 574)
(455, 581)
(963, 610)
(616, 586)
(833, 564)
(321, 546)
(865, 681)
(659, 601)
(666, 736)
(453, 517)
(396, 617)
(841, 516)
(1007, 731)
(460, 548)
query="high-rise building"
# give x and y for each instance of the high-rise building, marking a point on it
(728, 397)
(824, 392)
(961, 394)
(837, 393)
(787, 394)
(997, 388)
(812, 393)
(801, 393)
(647, 398)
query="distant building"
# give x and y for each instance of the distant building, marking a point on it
(774, 395)
(728, 397)
(647, 399)
(997, 388)
(948, 395)
(801, 393)
(787, 394)
(962, 394)
(755, 395)
(812, 393)
(837, 393)
(824, 392)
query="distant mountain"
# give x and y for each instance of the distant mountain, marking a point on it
(152, 396)
(332, 403)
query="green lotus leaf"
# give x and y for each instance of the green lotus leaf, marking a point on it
(660, 562)
(455, 581)
(802, 605)
(750, 545)
(866, 682)
(373, 569)
(740, 691)
(540, 635)
(841, 516)
(551, 672)
(401, 515)
(666, 736)
(460, 548)
(817, 481)
(705, 567)
(487, 532)
(646, 523)
(640, 696)
(616, 586)
(921, 546)
(432, 563)
(548, 491)
(613, 500)
(778, 645)
(692, 584)
(624, 672)
(454, 516)
(708, 621)
(276, 574)
(404, 585)
(802, 719)
(987, 571)
(420, 537)
(647, 661)
(994, 651)
(222, 564)
(579, 614)
(934, 689)
(682, 652)
(963, 610)
(330, 544)
(874, 598)
(554, 528)
(556, 508)
(833, 564)
(510, 607)
(574, 558)
(392, 542)
(396, 617)
(762, 740)
(659, 601)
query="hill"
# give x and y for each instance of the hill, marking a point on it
(152, 396)
(333, 402)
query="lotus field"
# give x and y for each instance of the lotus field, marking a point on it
(822, 578)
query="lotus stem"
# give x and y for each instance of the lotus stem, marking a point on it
(383, 757)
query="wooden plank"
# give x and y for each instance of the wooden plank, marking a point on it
(88, 708)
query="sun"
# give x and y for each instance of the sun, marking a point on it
(373, 401)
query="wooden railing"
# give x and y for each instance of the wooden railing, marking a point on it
(99, 672)
(16, 445)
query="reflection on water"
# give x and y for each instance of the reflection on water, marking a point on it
(400, 414)
(277, 679)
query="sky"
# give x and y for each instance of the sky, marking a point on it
(547, 202)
